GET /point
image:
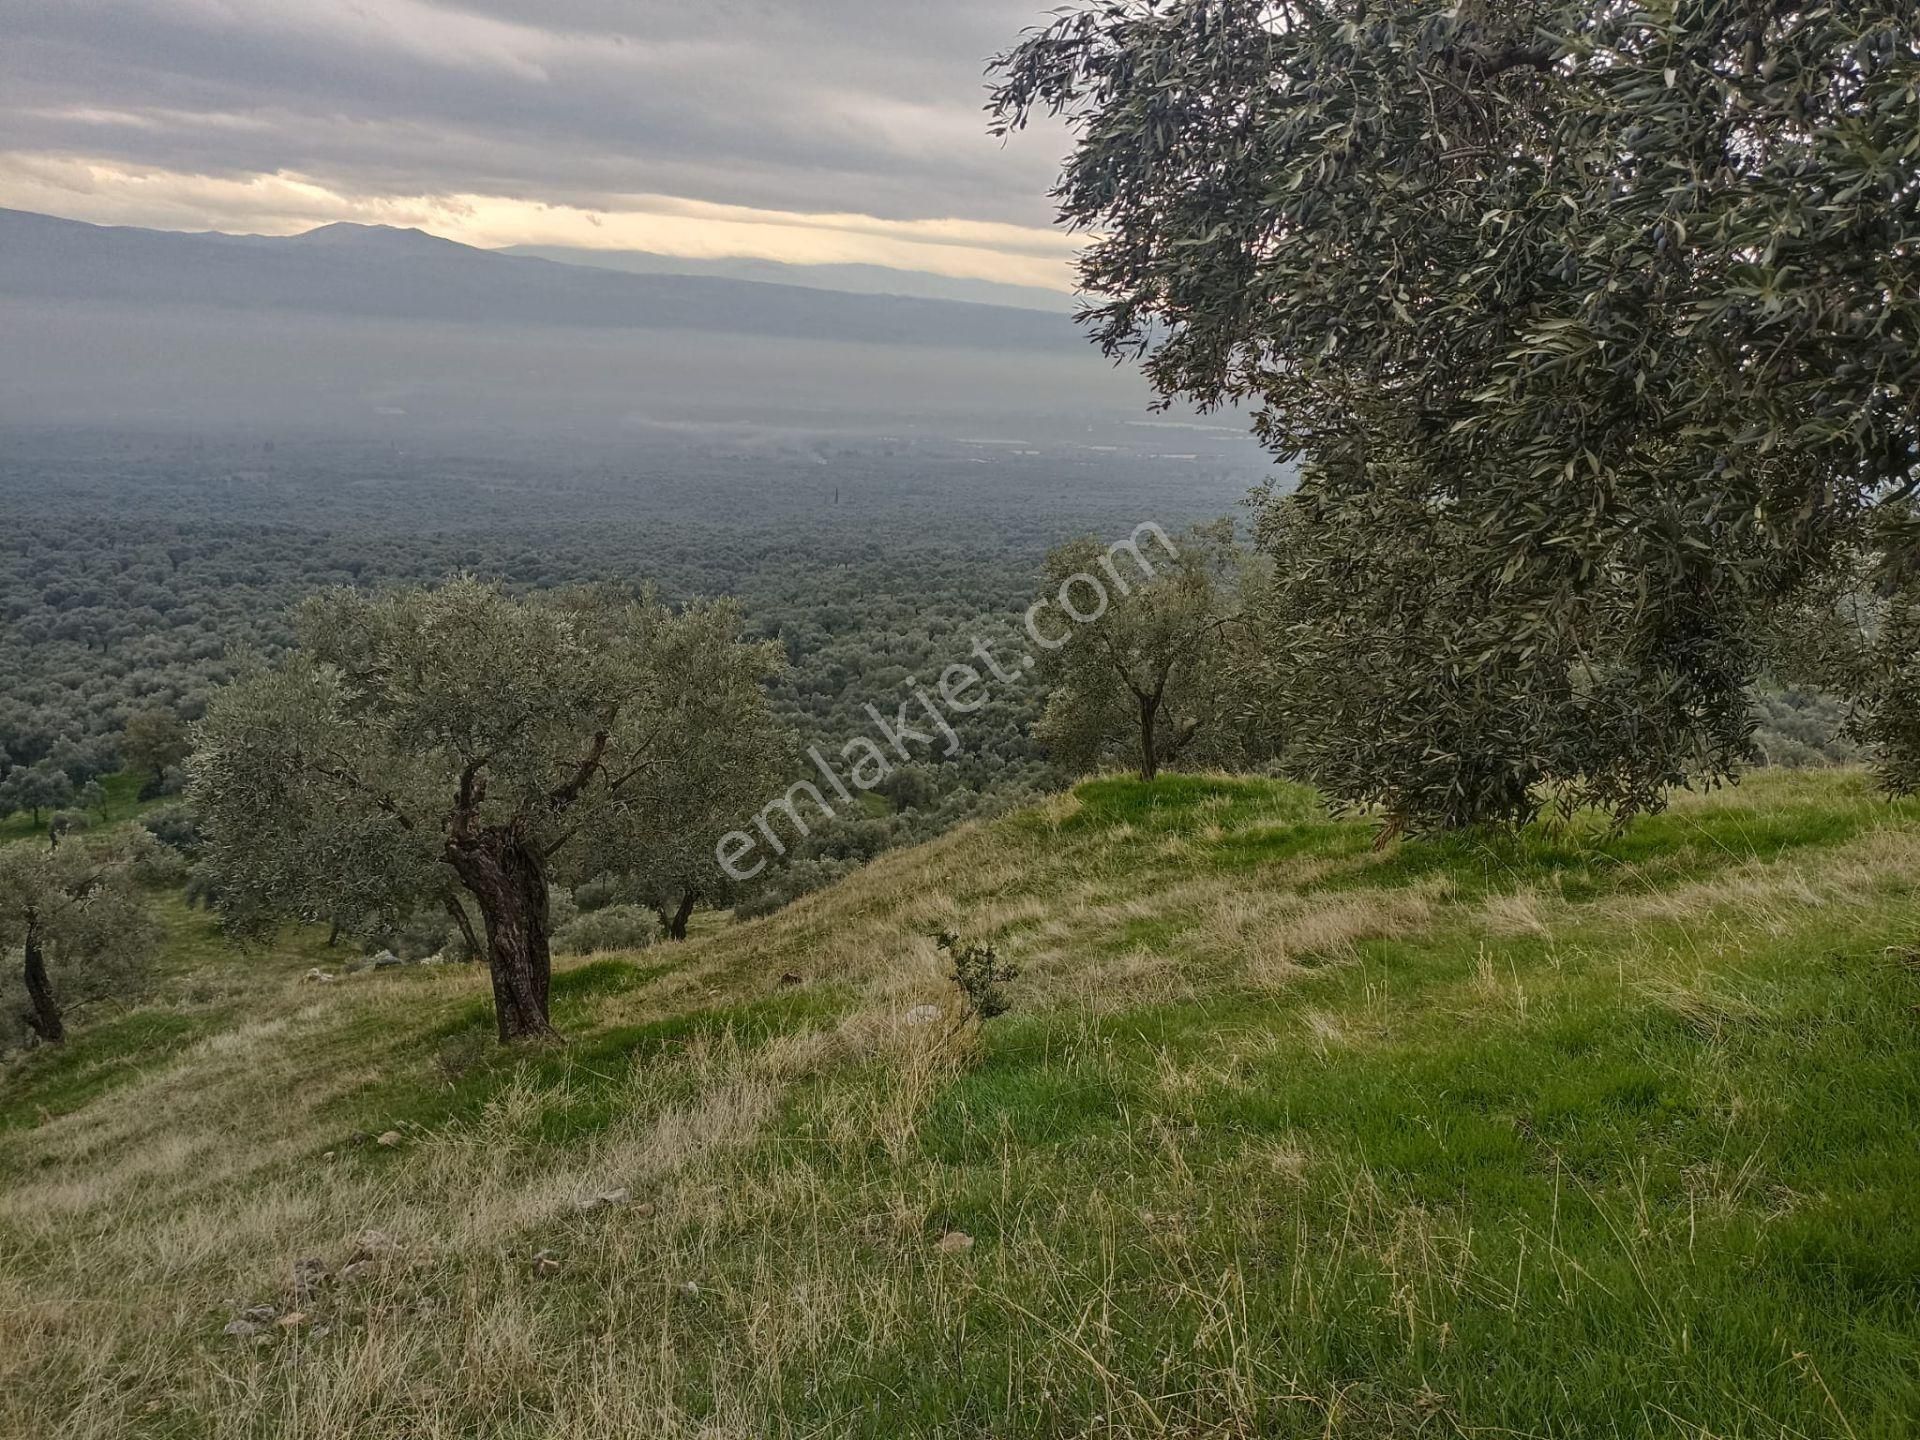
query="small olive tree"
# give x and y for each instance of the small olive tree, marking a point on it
(1145, 680)
(35, 789)
(457, 734)
(76, 918)
(659, 848)
(154, 742)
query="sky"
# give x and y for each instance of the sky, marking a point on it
(802, 131)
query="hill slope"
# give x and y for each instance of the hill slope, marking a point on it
(1568, 1135)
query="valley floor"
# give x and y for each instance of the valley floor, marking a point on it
(1563, 1135)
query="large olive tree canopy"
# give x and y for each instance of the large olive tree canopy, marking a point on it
(462, 736)
(1624, 299)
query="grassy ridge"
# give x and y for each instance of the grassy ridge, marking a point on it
(1562, 1134)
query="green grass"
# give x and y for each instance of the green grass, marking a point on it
(584, 1081)
(1565, 1134)
(56, 1081)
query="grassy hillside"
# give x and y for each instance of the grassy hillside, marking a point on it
(1567, 1135)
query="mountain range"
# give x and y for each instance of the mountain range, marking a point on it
(853, 279)
(362, 329)
(380, 271)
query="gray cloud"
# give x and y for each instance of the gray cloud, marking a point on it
(871, 106)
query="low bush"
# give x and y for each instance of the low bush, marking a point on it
(614, 927)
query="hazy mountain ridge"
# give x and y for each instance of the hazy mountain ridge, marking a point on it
(855, 279)
(364, 331)
(390, 274)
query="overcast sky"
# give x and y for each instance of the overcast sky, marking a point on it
(808, 131)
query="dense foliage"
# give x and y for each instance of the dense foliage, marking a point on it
(1593, 327)
(134, 569)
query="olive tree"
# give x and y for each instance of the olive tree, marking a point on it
(457, 735)
(1364, 648)
(659, 848)
(154, 742)
(65, 823)
(1141, 674)
(36, 788)
(77, 920)
(1599, 321)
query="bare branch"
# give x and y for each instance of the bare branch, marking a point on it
(562, 797)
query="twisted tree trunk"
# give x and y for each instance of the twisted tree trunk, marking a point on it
(677, 926)
(506, 875)
(1149, 753)
(44, 1018)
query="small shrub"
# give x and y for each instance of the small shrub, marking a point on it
(171, 781)
(780, 888)
(177, 828)
(461, 1055)
(616, 927)
(761, 902)
(423, 933)
(980, 973)
(203, 891)
(595, 894)
(67, 822)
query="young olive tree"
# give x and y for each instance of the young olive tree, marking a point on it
(458, 735)
(1143, 678)
(77, 920)
(154, 742)
(659, 848)
(1599, 321)
(35, 788)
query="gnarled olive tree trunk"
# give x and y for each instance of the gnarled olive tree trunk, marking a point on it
(44, 1019)
(507, 876)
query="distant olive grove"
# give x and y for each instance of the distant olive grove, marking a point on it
(1170, 674)
(132, 590)
(103, 625)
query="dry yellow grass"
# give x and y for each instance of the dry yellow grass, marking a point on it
(786, 1186)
